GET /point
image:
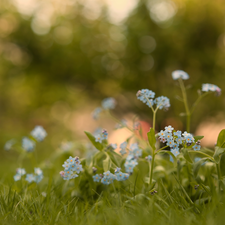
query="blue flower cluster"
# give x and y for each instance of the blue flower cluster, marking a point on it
(99, 137)
(211, 87)
(72, 167)
(180, 74)
(147, 97)
(131, 160)
(175, 138)
(28, 144)
(107, 103)
(36, 177)
(38, 133)
(108, 177)
(123, 148)
(8, 145)
(123, 123)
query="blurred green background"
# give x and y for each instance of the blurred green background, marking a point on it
(59, 59)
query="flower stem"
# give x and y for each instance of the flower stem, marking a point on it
(219, 176)
(152, 165)
(188, 120)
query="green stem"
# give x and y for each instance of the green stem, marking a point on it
(152, 164)
(183, 90)
(154, 118)
(219, 176)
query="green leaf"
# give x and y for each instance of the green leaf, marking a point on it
(221, 138)
(106, 164)
(170, 153)
(97, 145)
(198, 138)
(186, 155)
(115, 158)
(198, 164)
(151, 138)
(218, 151)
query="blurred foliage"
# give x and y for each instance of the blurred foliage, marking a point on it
(51, 67)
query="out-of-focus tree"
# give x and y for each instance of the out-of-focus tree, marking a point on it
(71, 52)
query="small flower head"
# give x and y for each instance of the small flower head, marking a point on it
(196, 147)
(108, 103)
(162, 102)
(180, 74)
(96, 178)
(146, 96)
(30, 178)
(117, 170)
(96, 113)
(169, 128)
(8, 145)
(175, 151)
(211, 87)
(148, 158)
(28, 144)
(38, 133)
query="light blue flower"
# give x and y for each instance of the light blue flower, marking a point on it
(30, 178)
(96, 178)
(211, 87)
(21, 171)
(175, 151)
(179, 140)
(129, 165)
(8, 145)
(162, 133)
(162, 102)
(113, 146)
(169, 129)
(28, 144)
(123, 148)
(123, 123)
(196, 147)
(72, 167)
(149, 157)
(177, 133)
(98, 138)
(38, 171)
(146, 96)
(189, 138)
(17, 177)
(108, 178)
(96, 113)
(135, 150)
(117, 170)
(170, 142)
(104, 134)
(180, 74)
(108, 103)
(122, 176)
(38, 133)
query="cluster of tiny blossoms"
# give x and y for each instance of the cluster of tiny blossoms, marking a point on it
(108, 177)
(36, 177)
(131, 160)
(211, 87)
(175, 138)
(38, 133)
(147, 97)
(107, 103)
(100, 136)
(180, 74)
(72, 167)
